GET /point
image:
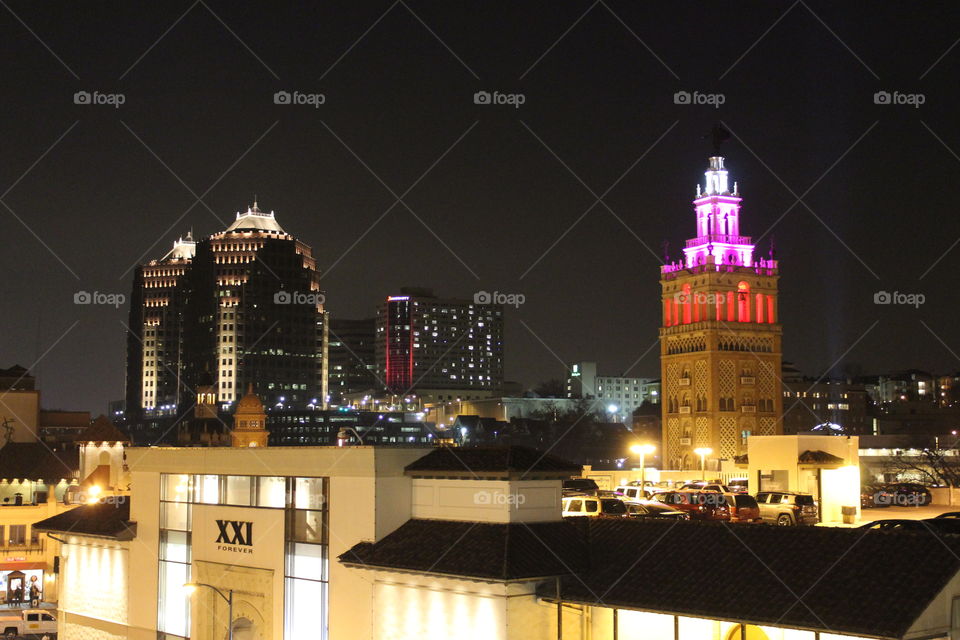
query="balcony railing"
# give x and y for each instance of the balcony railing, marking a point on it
(747, 380)
(18, 549)
(684, 382)
(685, 409)
(748, 408)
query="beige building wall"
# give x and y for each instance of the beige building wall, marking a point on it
(22, 409)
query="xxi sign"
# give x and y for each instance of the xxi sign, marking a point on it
(235, 533)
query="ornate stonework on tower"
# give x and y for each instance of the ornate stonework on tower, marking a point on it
(249, 422)
(720, 339)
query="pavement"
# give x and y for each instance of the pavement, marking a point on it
(898, 513)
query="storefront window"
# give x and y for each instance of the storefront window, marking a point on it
(175, 515)
(305, 598)
(239, 490)
(208, 489)
(175, 488)
(272, 492)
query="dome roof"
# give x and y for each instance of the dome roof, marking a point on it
(255, 220)
(250, 403)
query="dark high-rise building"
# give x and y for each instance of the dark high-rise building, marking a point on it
(240, 307)
(352, 357)
(448, 346)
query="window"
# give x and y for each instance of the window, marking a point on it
(575, 505)
(592, 506)
(18, 535)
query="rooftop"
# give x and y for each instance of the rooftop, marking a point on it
(101, 520)
(255, 220)
(510, 460)
(797, 577)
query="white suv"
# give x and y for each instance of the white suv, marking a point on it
(592, 507)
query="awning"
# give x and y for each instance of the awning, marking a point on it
(22, 566)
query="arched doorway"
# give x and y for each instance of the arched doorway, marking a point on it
(243, 629)
(746, 632)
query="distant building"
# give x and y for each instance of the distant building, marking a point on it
(911, 385)
(352, 358)
(617, 396)
(239, 307)
(23, 420)
(809, 403)
(439, 348)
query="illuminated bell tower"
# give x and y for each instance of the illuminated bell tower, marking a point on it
(720, 339)
(249, 422)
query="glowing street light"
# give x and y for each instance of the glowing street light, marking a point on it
(191, 587)
(703, 452)
(642, 450)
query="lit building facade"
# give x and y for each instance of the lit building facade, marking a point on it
(617, 396)
(720, 342)
(242, 306)
(445, 345)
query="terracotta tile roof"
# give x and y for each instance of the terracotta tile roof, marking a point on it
(36, 460)
(102, 520)
(823, 578)
(849, 581)
(818, 457)
(496, 551)
(511, 459)
(102, 430)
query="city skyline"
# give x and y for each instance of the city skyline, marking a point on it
(406, 176)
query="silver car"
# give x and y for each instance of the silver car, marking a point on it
(787, 508)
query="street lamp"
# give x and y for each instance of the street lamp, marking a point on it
(642, 450)
(703, 452)
(190, 587)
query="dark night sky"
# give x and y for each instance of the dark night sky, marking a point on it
(797, 101)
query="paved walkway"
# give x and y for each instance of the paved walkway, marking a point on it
(898, 513)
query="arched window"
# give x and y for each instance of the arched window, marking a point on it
(743, 301)
(687, 303)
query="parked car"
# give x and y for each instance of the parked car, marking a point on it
(949, 515)
(652, 509)
(936, 525)
(875, 496)
(743, 507)
(607, 493)
(909, 494)
(701, 505)
(589, 506)
(739, 485)
(580, 486)
(630, 493)
(30, 622)
(787, 508)
(707, 486)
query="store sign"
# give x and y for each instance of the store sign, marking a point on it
(234, 535)
(244, 536)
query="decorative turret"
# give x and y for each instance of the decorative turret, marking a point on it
(249, 422)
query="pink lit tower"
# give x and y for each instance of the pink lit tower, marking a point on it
(720, 339)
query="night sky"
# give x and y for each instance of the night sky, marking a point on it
(487, 190)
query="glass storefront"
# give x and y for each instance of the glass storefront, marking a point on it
(306, 564)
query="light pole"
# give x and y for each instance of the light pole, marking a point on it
(703, 452)
(228, 597)
(642, 450)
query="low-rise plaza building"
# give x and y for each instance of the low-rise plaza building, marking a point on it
(357, 543)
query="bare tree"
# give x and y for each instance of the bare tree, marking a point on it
(932, 466)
